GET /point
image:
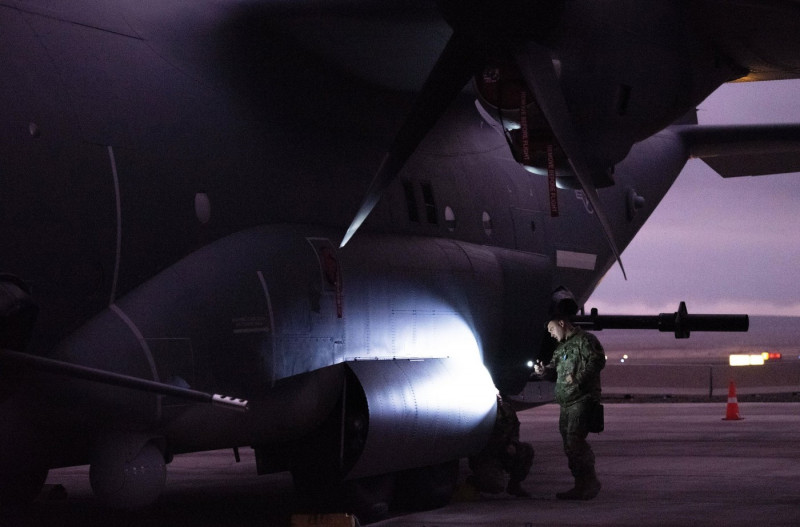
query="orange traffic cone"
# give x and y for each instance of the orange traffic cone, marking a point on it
(732, 411)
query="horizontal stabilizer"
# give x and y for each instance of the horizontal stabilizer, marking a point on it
(745, 150)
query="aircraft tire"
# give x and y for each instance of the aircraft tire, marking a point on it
(124, 481)
(367, 498)
(426, 488)
(370, 497)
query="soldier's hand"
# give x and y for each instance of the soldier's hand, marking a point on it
(538, 367)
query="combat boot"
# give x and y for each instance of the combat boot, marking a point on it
(590, 485)
(575, 493)
(515, 489)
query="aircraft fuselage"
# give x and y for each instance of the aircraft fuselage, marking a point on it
(175, 181)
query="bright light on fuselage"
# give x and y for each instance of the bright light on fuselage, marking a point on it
(439, 333)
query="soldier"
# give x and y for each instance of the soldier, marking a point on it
(503, 453)
(576, 366)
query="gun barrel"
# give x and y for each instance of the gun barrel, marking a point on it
(680, 322)
(35, 362)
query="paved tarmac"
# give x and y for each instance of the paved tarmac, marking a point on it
(660, 464)
(696, 379)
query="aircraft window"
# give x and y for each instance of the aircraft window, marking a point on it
(487, 223)
(202, 207)
(449, 218)
(430, 203)
(411, 202)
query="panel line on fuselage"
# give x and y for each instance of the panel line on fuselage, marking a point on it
(119, 225)
(271, 319)
(148, 354)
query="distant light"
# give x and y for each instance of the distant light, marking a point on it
(530, 364)
(625, 357)
(771, 355)
(622, 360)
(746, 360)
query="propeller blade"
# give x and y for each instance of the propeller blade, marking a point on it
(537, 68)
(451, 72)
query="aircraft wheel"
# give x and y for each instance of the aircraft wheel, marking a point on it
(370, 497)
(427, 487)
(125, 474)
(367, 498)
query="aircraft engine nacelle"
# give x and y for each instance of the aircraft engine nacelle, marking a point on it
(424, 412)
(272, 313)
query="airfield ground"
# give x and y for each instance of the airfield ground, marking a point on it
(660, 464)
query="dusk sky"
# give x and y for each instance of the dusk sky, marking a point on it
(722, 245)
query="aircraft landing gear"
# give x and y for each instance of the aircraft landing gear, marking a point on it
(127, 471)
(426, 488)
(367, 498)
(371, 498)
(317, 473)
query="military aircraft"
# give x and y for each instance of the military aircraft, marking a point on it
(345, 219)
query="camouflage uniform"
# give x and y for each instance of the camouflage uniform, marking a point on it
(503, 453)
(580, 356)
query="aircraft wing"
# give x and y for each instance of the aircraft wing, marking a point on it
(754, 150)
(760, 36)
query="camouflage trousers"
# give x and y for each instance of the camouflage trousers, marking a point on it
(573, 424)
